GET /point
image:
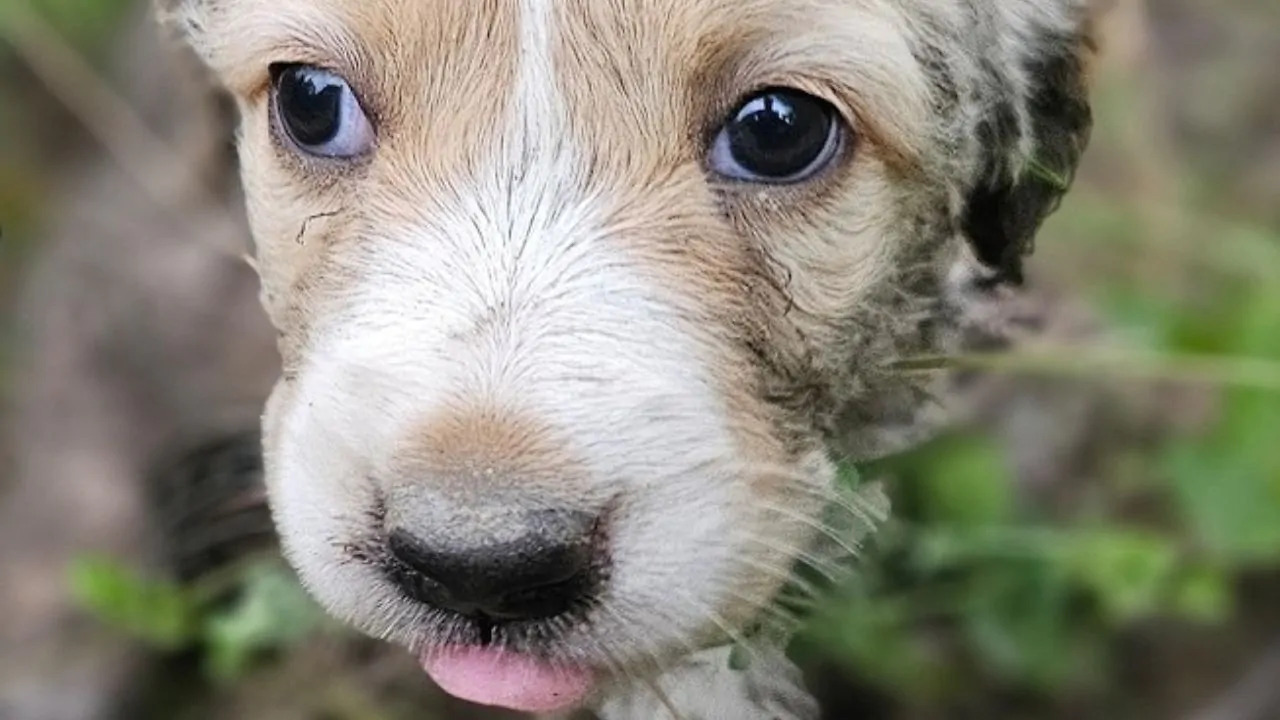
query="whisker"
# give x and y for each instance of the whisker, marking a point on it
(663, 699)
(733, 634)
(605, 655)
(803, 482)
(829, 570)
(611, 661)
(849, 499)
(822, 528)
(785, 576)
(778, 615)
(652, 654)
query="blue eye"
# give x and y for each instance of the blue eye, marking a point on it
(320, 113)
(777, 136)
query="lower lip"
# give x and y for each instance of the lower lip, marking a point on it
(506, 679)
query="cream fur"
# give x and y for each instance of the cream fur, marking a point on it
(534, 241)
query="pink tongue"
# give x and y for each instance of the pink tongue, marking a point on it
(505, 679)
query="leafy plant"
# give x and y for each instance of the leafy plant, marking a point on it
(232, 620)
(966, 588)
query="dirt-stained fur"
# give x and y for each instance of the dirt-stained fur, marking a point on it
(534, 293)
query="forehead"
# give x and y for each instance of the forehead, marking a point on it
(620, 70)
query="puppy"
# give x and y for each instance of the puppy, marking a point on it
(577, 300)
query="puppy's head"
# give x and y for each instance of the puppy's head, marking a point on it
(576, 298)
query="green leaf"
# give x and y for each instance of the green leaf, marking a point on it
(876, 637)
(1203, 594)
(964, 480)
(157, 612)
(1127, 571)
(1258, 322)
(1047, 175)
(271, 612)
(847, 475)
(1227, 486)
(1017, 618)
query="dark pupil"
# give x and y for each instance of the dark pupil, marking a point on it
(779, 134)
(311, 110)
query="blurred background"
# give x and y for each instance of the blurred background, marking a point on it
(1099, 537)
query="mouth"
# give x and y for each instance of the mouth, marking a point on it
(506, 662)
(495, 676)
(510, 662)
(495, 638)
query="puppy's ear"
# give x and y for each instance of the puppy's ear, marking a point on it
(1034, 128)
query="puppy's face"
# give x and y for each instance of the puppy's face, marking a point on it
(575, 298)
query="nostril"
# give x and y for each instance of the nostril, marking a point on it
(412, 570)
(541, 574)
(544, 585)
(543, 601)
(412, 553)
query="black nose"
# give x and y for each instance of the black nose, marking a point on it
(541, 573)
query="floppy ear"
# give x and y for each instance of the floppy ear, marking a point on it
(1034, 129)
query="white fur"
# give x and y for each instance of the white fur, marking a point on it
(518, 298)
(706, 685)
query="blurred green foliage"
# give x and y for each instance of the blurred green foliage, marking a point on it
(233, 619)
(88, 25)
(965, 588)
